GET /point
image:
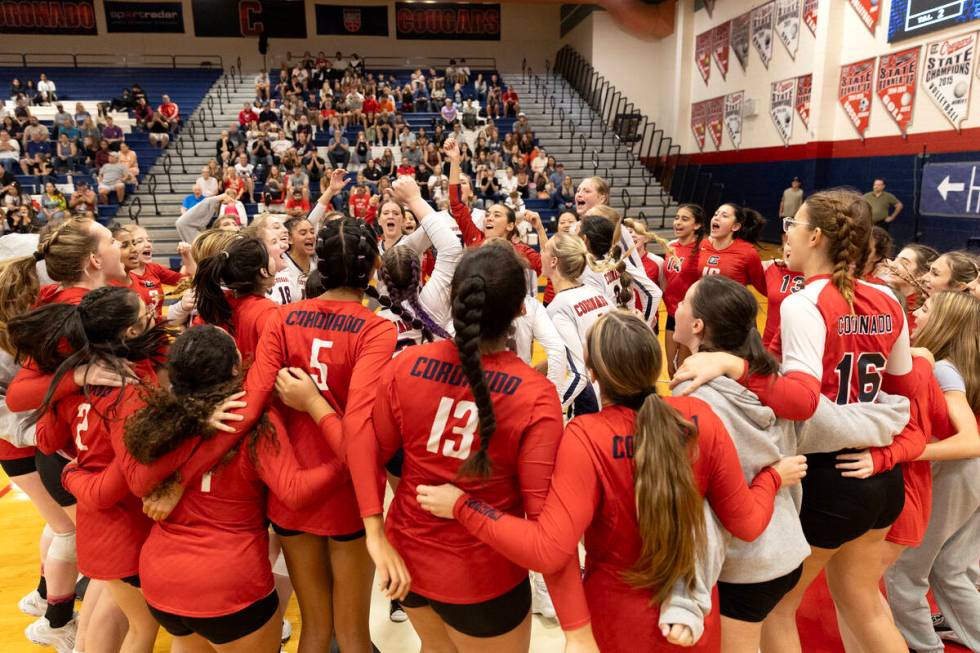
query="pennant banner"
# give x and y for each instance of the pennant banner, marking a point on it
(741, 31)
(867, 11)
(804, 84)
(810, 15)
(762, 18)
(788, 24)
(709, 6)
(721, 38)
(781, 107)
(854, 92)
(948, 75)
(895, 84)
(697, 123)
(714, 115)
(702, 54)
(733, 116)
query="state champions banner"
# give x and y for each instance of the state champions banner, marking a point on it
(714, 117)
(895, 84)
(788, 24)
(781, 107)
(733, 116)
(703, 44)
(868, 11)
(144, 17)
(697, 124)
(445, 21)
(54, 17)
(762, 18)
(854, 92)
(278, 19)
(804, 87)
(810, 15)
(948, 75)
(741, 37)
(721, 39)
(360, 20)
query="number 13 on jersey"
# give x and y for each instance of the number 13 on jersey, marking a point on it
(448, 445)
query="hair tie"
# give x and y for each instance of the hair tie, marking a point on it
(38, 256)
(226, 254)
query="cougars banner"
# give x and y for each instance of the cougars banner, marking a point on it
(733, 116)
(47, 17)
(762, 31)
(804, 85)
(697, 123)
(810, 15)
(854, 92)
(895, 84)
(348, 19)
(948, 75)
(781, 107)
(741, 31)
(719, 51)
(279, 19)
(454, 22)
(144, 17)
(788, 24)
(714, 116)
(868, 11)
(702, 53)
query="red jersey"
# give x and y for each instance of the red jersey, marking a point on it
(593, 493)
(370, 106)
(739, 261)
(781, 282)
(359, 204)
(425, 407)
(248, 317)
(10, 452)
(154, 277)
(672, 273)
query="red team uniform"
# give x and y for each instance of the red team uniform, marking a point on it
(674, 286)
(154, 277)
(781, 282)
(249, 315)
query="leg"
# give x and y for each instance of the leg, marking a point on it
(779, 634)
(120, 191)
(955, 593)
(308, 561)
(431, 630)
(191, 644)
(95, 588)
(516, 641)
(740, 636)
(142, 632)
(108, 626)
(353, 573)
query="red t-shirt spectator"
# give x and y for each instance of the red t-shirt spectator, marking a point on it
(246, 117)
(292, 202)
(170, 110)
(237, 184)
(509, 97)
(406, 169)
(328, 113)
(359, 204)
(371, 106)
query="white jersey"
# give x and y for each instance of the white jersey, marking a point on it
(574, 311)
(534, 324)
(290, 283)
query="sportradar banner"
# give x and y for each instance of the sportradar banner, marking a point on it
(895, 84)
(854, 92)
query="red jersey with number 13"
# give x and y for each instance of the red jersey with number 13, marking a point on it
(781, 282)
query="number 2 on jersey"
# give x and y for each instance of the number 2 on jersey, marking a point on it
(82, 426)
(318, 369)
(453, 447)
(866, 375)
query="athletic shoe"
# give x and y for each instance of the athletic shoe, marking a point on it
(60, 639)
(33, 604)
(939, 621)
(287, 630)
(540, 599)
(396, 613)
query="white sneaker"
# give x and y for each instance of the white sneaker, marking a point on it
(396, 613)
(33, 604)
(60, 639)
(287, 631)
(540, 599)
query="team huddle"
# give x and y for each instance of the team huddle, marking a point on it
(201, 465)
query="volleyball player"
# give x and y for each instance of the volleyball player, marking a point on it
(951, 271)
(207, 243)
(882, 247)
(905, 275)
(688, 232)
(269, 229)
(301, 255)
(153, 275)
(781, 282)
(131, 256)
(563, 225)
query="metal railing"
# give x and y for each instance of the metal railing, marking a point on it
(135, 208)
(411, 63)
(61, 60)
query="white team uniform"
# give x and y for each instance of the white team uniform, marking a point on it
(290, 283)
(534, 324)
(574, 311)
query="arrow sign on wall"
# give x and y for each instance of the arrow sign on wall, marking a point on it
(945, 186)
(951, 189)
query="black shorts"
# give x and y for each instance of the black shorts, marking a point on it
(224, 629)
(394, 466)
(132, 580)
(49, 468)
(19, 466)
(837, 510)
(346, 537)
(490, 618)
(671, 323)
(754, 601)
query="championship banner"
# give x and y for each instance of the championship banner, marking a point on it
(432, 21)
(741, 31)
(781, 107)
(762, 18)
(804, 86)
(714, 116)
(48, 17)
(722, 36)
(810, 15)
(895, 84)
(733, 116)
(697, 123)
(788, 24)
(144, 17)
(867, 11)
(854, 92)
(702, 53)
(352, 19)
(277, 19)
(948, 75)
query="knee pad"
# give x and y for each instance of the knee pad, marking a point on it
(279, 568)
(47, 532)
(63, 547)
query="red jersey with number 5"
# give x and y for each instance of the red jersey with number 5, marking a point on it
(781, 282)
(425, 406)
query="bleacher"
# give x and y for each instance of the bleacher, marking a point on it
(186, 87)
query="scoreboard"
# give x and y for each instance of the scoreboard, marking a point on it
(912, 18)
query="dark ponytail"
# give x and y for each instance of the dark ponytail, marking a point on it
(602, 240)
(346, 251)
(751, 222)
(487, 292)
(241, 268)
(401, 274)
(698, 212)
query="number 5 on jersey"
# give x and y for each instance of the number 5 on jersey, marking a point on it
(318, 369)
(458, 443)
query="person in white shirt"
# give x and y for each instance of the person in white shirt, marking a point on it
(46, 91)
(262, 85)
(9, 152)
(207, 183)
(281, 144)
(508, 182)
(246, 171)
(540, 162)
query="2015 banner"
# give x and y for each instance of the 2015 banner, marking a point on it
(280, 19)
(714, 116)
(48, 17)
(741, 36)
(854, 92)
(721, 38)
(733, 116)
(445, 21)
(697, 123)
(703, 44)
(762, 18)
(781, 107)
(948, 75)
(810, 15)
(144, 17)
(804, 87)
(868, 11)
(895, 84)
(788, 24)
(361, 20)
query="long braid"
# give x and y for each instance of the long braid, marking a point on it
(844, 217)
(845, 254)
(468, 306)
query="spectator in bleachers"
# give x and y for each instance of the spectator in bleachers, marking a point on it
(448, 112)
(65, 154)
(540, 162)
(101, 154)
(281, 144)
(21, 219)
(338, 153)
(124, 102)
(54, 206)
(359, 201)
(508, 182)
(84, 199)
(246, 171)
(143, 113)
(207, 182)
(387, 163)
(269, 117)
(170, 111)
(88, 129)
(298, 180)
(471, 113)
(138, 93)
(495, 103)
(310, 159)
(558, 177)
(13, 127)
(405, 169)
(274, 188)
(8, 182)
(487, 187)
(61, 119)
(46, 90)
(192, 200)
(263, 87)
(112, 177)
(233, 183)
(297, 205)
(30, 92)
(523, 185)
(412, 154)
(34, 128)
(565, 195)
(480, 88)
(247, 117)
(261, 152)
(9, 151)
(16, 89)
(361, 151)
(371, 171)
(543, 189)
(37, 155)
(112, 133)
(81, 114)
(128, 158)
